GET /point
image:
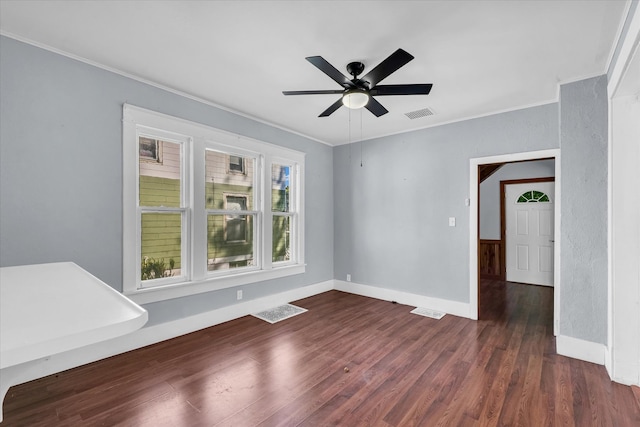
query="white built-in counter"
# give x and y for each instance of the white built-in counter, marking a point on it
(48, 309)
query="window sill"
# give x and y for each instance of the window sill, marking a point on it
(182, 289)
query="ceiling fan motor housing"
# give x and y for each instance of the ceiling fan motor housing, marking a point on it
(355, 68)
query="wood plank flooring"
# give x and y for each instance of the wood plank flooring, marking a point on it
(401, 370)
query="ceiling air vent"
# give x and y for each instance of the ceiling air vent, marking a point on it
(419, 113)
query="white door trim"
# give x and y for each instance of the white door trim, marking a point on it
(616, 357)
(473, 224)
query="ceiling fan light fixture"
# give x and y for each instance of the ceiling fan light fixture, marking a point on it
(355, 98)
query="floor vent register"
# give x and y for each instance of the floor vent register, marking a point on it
(427, 312)
(277, 314)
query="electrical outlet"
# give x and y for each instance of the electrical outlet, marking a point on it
(239, 294)
(348, 277)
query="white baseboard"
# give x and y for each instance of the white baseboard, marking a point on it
(580, 349)
(608, 362)
(451, 307)
(626, 372)
(156, 333)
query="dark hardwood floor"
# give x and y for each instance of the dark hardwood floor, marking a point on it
(401, 370)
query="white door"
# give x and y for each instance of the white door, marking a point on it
(529, 232)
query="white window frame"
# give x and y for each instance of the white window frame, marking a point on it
(196, 138)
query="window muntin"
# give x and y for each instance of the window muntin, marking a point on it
(203, 210)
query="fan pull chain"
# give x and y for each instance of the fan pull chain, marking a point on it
(361, 137)
(349, 137)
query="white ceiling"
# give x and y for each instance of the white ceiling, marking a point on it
(482, 57)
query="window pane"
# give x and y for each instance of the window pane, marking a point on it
(161, 245)
(159, 168)
(222, 179)
(280, 175)
(281, 250)
(230, 241)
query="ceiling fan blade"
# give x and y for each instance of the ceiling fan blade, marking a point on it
(312, 92)
(331, 109)
(393, 62)
(410, 89)
(376, 108)
(330, 71)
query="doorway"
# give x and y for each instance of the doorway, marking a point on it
(474, 190)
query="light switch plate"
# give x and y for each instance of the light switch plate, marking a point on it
(452, 221)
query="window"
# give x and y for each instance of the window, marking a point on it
(236, 164)
(205, 209)
(533, 196)
(150, 150)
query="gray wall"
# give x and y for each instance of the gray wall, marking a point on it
(490, 191)
(391, 214)
(61, 171)
(583, 134)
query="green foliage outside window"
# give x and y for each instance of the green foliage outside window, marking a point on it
(156, 268)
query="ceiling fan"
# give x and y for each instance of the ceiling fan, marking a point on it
(359, 92)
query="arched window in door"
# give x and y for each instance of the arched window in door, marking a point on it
(533, 196)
